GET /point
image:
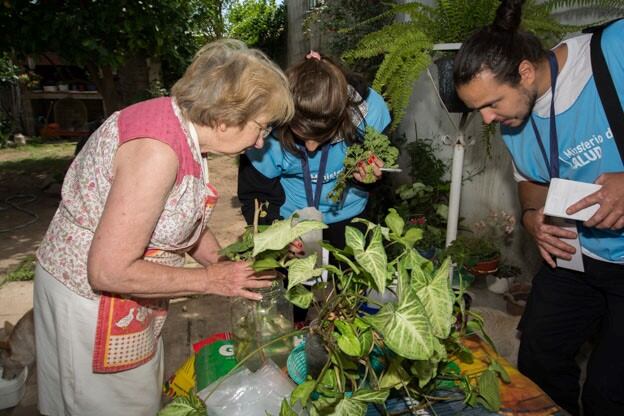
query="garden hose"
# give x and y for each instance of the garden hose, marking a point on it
(12, 202)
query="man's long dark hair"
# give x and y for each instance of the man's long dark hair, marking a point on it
(498, 47)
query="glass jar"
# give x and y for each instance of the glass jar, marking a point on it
(255, 323)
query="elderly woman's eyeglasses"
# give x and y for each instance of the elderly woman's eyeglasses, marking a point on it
(264, 130)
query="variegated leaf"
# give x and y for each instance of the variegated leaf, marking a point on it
(349, 407)
(301, 270)
(281, 233)
(437, 299)
(395, 222)
(371, 396)
(354, 238)
(405, 329)
(374, 261)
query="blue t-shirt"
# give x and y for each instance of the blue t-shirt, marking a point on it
(586, 145)
(274, 161)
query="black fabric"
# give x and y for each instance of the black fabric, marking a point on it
(606, 88)
(566, 309)
(254, 185)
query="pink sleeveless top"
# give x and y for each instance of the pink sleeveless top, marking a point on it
(64, 249)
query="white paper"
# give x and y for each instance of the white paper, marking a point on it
(562, 193)
(576, 262)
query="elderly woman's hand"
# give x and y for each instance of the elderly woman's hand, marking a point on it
(373, 162)
(230, 278)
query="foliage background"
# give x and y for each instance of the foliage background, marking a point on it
(260, 24)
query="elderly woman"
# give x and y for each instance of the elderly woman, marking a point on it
(137, 199)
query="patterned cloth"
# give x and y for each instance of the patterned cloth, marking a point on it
(128, 329)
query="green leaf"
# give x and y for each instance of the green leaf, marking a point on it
(238, 247)
(267, 263)
(500, 370)
(282, 233)
(302, 270)
(425, 371)
(395, 376)
(366, 341)
(403, 279)
(489, 391)
(286, 410)
(302, 393)
(395, 222)
(412, 236)
(350, 407)
(419, 278)
(414, 260)
(185, 406)
(406, 330)
(347, 339)
(371, 396)
(333, 269)
(300, 296)
(344, 259)
(354, 238)
(374, 260)
(437, 299)
(323, 406)
(327, 385)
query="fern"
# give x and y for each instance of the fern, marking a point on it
(407, 46)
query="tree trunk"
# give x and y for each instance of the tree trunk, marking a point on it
(133, 80)
(104, 80)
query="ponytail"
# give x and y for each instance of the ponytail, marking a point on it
(499, 48)
(508, 16)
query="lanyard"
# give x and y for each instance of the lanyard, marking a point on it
(553, 165)
(314, 198)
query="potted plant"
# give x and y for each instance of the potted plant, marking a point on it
(407, 44)
(478, 255)
(479, 250)
(352, 358)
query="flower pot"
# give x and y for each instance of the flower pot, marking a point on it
(485, 267)
(446, 87)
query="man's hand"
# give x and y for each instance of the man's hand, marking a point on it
(611, 200)
(373, 161)
(548, 237)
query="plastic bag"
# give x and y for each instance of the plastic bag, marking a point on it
(249, 394)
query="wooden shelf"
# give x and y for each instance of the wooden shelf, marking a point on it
(57, 95)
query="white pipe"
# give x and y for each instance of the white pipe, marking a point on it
(446, 46)
(455, 194)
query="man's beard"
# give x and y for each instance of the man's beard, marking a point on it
(529, 98)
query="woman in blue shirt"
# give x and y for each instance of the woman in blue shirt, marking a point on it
(332, 109)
